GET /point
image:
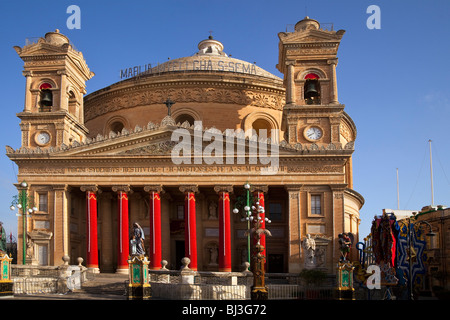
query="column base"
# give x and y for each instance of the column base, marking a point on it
(94, 270)
(122, 271)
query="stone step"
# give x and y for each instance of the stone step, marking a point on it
(111, 284)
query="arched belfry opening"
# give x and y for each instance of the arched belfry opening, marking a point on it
(312, 89)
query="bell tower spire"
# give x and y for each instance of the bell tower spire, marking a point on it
(56, 75)
(308, 59)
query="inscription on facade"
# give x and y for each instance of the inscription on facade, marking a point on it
(189, 65)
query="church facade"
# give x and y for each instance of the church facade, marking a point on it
(177, 147)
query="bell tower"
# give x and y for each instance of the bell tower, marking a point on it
(308, 59)
(56, 74)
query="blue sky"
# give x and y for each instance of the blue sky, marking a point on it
(393, 81)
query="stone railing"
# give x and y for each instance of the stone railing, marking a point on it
(187, 284)
(31, 279)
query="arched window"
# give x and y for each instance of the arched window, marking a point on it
(45, 98)
(261, 124)
(312, 89)
(116, 127)
(185, 117)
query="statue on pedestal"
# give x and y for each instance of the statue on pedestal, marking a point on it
(3, 239)
(344, 245)
(137, 240)
(310, 246)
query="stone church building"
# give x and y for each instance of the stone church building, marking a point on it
(95, 164)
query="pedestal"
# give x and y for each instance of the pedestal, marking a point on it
(138, 287)
(345, 290)
(6, 284)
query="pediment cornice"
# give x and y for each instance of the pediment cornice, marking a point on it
(155, 140)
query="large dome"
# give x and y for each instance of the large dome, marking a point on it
(209, 86)
(210, 57)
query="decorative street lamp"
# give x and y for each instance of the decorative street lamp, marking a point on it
(411, 226)
(247, 213)
(259, 290)
(251, 214)
(24, 202)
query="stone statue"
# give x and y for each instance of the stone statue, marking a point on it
(3, 239)
(344, 245)
(137, 240)
(214, 253)
(310, 246)
(212, 210)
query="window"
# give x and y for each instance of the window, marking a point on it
(185, 117)
(43, 202)
(316, 204)
(262, 128)
(275, 211)
(180, 212)
(117, 127)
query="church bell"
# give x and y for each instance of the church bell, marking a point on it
(46, 98)
(311, 90)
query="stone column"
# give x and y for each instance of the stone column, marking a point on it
(190, 229)
(63, 97)
(123, 234)
(28, 94)
(294, 223)
(155, 226)
(224, 227)
(290, 93)
(338, 217)
(61, 222)
(91, 228)
(333, 91)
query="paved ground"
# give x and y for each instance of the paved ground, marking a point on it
(106, 286)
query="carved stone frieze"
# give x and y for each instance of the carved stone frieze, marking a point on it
(207, 94)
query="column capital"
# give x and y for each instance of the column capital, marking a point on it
(122, 188)
(259, 187)
(154, 188)
(189, 188)
(332, 61)
(338, 187)
(290, 62)
(61, 187)
(293, 187)
(91, 188)
(223, 188)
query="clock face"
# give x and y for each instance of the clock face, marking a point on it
(43, 138)
(313, 133)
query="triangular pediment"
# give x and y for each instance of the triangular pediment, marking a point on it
(167, 139)
(41, 48)
(312, 35)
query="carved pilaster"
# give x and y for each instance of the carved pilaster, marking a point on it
(333, 91)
